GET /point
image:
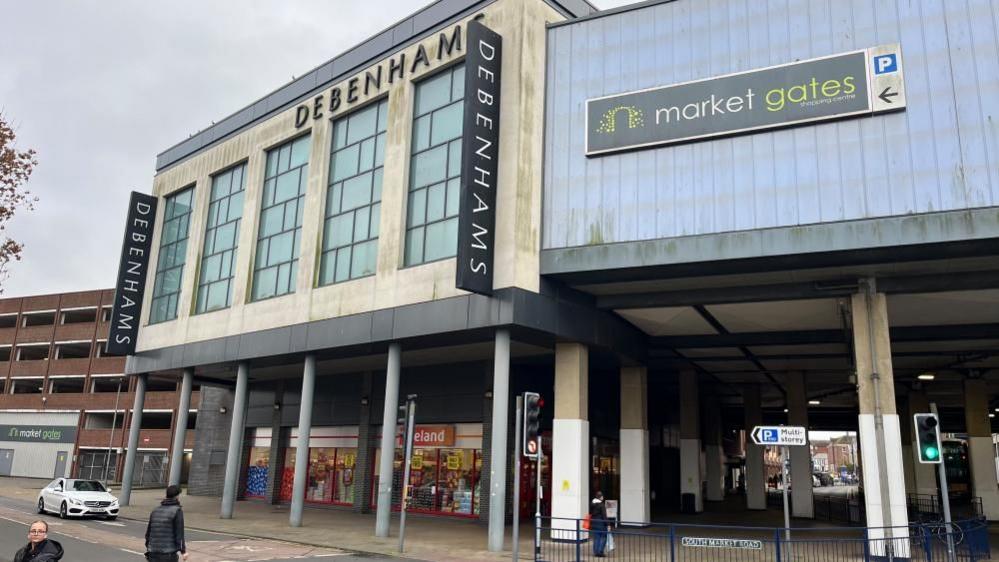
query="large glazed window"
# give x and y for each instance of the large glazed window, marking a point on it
(221, 240)
(173, 252)
(353, 199)
(280, 231)
(435, 168)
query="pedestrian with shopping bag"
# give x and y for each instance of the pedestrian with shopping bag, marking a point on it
(598, 524)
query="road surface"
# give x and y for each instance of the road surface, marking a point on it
(122, 541)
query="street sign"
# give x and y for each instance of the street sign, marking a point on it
(741, 544)
(785, 435)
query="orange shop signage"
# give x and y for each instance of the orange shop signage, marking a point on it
(431, 436)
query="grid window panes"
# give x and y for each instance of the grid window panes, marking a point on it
(173, 251)
(435, 168)
(353, 199)
(280, 230)
(225, 209)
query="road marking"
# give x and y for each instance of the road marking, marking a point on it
(132, 551)
(110, 523)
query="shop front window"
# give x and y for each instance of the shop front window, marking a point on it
(458, 475)
(321, 464)
(346, 461)
(256, 472)
(423, 479)
(442, 481)
(288, 474)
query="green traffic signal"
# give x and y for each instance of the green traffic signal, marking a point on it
(931, 453)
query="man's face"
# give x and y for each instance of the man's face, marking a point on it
(37, 533)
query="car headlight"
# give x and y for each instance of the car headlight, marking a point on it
(75, 501)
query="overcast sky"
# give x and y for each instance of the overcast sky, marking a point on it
(99, 88)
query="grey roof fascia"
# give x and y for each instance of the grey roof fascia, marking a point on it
(559, 312)
(394, 38)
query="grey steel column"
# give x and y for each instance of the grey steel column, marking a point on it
(390, 412)
(133, 438)
(302, 451)
(497, 456)
(235, 442)
(180, 428)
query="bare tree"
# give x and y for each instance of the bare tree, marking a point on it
(15, 169)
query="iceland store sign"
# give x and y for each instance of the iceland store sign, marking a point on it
(853, 84)
(132, 270)
(479, 153)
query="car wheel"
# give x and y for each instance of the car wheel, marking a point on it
(62, 511)
(41, 505)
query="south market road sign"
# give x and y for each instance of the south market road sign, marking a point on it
(854, 84)
(792, 435)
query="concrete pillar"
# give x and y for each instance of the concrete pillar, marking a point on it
(180, 428)
(802, 500)
(714, 453)
(497, 457)
(571, 434)
(690, 439)
(236, 430)
(880, 438)
(133, 439)
(634, 506)
(756, 485)
(304, 435)
(925, 475)
(390, 413)
(980, 448)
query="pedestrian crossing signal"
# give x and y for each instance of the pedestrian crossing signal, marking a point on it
(532, 424)
(928, 438)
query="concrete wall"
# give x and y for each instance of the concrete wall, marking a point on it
(518, 221)
(940, 154)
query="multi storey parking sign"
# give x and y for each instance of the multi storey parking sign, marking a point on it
(780, 435)
(783, 436)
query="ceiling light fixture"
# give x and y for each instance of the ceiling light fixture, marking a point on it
(814, 402)
(926, 376)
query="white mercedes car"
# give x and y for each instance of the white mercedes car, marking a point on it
(76, 498)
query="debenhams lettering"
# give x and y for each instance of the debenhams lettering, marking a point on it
(132, 269)
(393, 69)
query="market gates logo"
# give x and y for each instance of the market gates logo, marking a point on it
(608, 123)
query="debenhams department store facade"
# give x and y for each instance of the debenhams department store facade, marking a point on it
(416, 218)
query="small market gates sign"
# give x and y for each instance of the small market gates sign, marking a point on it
(38, 433)
(855, 84)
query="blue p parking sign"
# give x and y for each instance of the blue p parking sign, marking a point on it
(884, 64)
(769, 435)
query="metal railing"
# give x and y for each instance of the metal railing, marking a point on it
(922, 508)
(566, 540)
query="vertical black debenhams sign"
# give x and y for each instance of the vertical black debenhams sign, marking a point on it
(479, 154)
(132, 270)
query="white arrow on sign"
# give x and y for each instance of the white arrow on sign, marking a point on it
(790, 435)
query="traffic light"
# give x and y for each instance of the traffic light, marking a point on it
(928, 438)
(532, 424)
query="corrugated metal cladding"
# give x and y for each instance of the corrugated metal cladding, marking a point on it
(942, 153)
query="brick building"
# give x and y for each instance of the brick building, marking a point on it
(65, 403)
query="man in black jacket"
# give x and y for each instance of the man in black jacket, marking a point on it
(165, 532)
(39, 547)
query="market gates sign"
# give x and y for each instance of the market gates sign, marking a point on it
(38, 433)
(854, 84)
